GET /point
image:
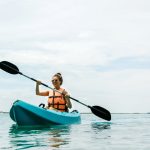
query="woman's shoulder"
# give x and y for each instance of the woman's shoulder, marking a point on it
(65, 89)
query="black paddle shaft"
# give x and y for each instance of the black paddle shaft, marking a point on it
(12, 69)
(97, 110)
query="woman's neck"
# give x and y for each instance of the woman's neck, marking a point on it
(57, 87)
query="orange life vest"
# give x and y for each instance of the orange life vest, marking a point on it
(57, 100)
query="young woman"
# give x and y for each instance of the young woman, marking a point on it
(56, 100)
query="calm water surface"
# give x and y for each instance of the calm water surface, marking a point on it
(124, 132)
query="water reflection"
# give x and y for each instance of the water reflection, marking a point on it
(39, 136)
(100, 126)
(101, 131)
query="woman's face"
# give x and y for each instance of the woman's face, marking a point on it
(55, 81)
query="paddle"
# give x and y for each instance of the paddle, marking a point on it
(97, 110)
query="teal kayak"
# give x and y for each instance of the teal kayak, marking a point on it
(25, 114)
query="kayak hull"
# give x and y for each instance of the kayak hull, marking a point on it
(25, 114)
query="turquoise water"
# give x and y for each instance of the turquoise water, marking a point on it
(124, 132)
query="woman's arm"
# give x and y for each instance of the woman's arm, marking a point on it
(46, 93)
(68, 102)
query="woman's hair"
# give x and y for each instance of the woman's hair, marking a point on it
(58, 75)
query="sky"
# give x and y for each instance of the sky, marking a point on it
(101, 48)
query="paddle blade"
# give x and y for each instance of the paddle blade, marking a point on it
(9, 67)
(101, 112)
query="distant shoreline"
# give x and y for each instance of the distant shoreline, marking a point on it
(119, 113)
(2, 112)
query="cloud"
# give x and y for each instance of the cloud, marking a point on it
(100, 47)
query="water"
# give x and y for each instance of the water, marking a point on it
(124, 132)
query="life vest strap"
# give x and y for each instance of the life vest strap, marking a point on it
(51, 104)
(54, 96)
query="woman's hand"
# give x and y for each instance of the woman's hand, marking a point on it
(67, 98)
(38, 82)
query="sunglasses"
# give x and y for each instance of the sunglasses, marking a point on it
(54, 80)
